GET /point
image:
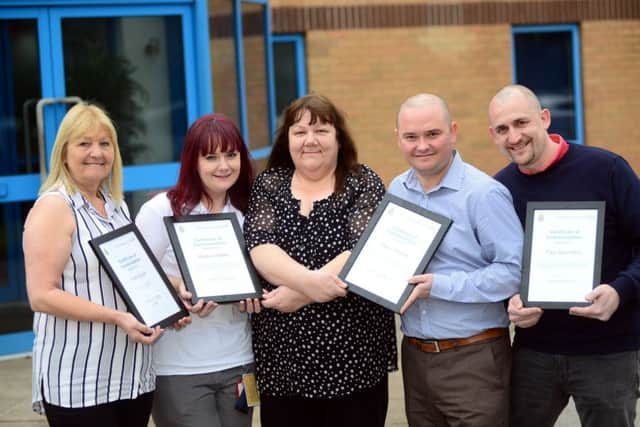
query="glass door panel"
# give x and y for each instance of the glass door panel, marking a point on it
(136, 61)
(134, 67)
(20, 88)
(15, 314)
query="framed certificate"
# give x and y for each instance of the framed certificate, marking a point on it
(398, 243)
(212, 258)
(138, 277)
(562, 253)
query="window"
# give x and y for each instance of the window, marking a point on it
(546, 59)
(254, 64)
(289, 69)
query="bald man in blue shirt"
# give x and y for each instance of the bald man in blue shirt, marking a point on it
(456, 352)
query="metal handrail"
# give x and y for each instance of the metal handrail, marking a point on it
(39, 123)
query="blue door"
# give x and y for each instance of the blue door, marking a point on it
(137, 59)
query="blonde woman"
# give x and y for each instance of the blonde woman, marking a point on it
(91, 358)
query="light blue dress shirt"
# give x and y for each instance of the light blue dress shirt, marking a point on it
(478, 263)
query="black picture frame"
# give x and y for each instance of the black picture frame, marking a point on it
(388, 206)
(106, 256)
(239, 250)
(563, 261)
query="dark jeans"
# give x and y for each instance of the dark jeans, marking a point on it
(604, 388)
(121, 413)
(364, 408)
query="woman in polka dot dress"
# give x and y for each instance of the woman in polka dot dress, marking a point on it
(322, 354)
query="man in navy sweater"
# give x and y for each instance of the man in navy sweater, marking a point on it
(589, 353)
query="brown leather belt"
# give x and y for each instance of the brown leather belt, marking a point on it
(436, 346)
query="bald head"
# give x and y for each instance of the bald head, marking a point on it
(425, 100)
(509, 92)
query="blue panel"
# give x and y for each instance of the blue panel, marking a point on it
(261, 153)
(542, 28)
(301, 63)
(190, 68)
(577, 83)
(18, 188)
(203, 60)
(13, 13)
(50, 3)
(16, 343)
(150, 176)
(116, 11)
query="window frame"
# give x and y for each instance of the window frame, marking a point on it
(300, 56)
(263, 152)
(576, 59)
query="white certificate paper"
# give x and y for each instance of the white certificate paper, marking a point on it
(398, 243)
(214, 258)
(211, 256)
(140, 279)
(562, 254)
(393, 251)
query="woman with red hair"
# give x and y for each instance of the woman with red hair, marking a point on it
(198, 368)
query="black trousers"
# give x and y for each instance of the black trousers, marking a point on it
(121, 413)
(364, 408)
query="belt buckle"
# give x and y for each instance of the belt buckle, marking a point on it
(435, 343)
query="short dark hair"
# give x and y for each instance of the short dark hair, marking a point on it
(323, 110)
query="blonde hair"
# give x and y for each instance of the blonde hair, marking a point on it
(80, 119)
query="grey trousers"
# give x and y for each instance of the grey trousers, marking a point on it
(202, 400)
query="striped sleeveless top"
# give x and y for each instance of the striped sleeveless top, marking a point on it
(79, 364)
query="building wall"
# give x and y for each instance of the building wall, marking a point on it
(449, 61)
(611, 78)
(368, 62)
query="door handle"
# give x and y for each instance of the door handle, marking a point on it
(39, 122)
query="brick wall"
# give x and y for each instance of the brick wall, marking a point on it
(368, 63)
(611, 79)
(368, 73)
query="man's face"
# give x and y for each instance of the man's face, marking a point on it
(426, 140)
(519, 129)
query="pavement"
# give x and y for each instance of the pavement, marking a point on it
(15, 399)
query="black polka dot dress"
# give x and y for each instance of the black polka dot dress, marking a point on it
(323, 350)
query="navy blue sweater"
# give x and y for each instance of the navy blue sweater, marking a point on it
(589, 174)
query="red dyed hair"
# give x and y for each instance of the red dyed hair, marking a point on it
(204, 137)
